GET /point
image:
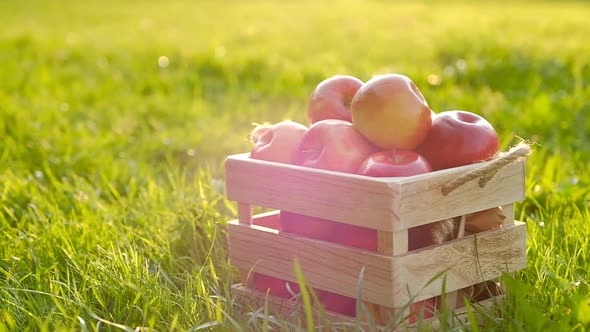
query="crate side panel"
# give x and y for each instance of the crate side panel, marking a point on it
(280, 306)
(421, 199)
(293, 310)
(465, 261)
(347, 198)
(326, 266)
(252, 299)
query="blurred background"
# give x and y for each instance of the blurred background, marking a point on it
(186, 79)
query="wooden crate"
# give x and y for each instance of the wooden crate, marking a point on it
(392, 276)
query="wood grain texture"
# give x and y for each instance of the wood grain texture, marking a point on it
(386, 204)
(353, 199)
(467, 261)
(327, 266)
(387, 279)
(253, 300)
(421, 200)
(389, 205)
(392, 243)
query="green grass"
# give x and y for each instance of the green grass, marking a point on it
(112, 214)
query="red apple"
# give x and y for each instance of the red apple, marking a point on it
(310, 227)
(396, 162)
(331, 98)
(459, 138)
(391, 112)
(347, 306)
(277, 142)
(337, 303)
(349, 235)
(274, 286)
(327, 230)
(280, 288)
(269, 222)
(334, 145)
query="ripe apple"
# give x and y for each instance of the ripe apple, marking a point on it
(333, 145)
(274, 286)
(327, 230)
(391, 112)
(337, 303)
(366, 238)
(331, 98)
(459, 138)
(307, 226)
(277, 142)
(361, 237)
(394, 162)
(280, 288)
(347, 306)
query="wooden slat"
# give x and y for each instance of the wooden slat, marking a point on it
(245, 213)
(291, 308)
(508, 211)
(451, 297)
(388, 243)
(385, 243)
(468, 261)
(327, 266)
(354, 199)
(387, 280)
(421, 200)
(400, 242)
(280, 306)
(386, 204)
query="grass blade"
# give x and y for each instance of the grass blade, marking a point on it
(305, 297)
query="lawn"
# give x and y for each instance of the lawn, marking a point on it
(115, 119)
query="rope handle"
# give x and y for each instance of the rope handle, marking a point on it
(487, 172)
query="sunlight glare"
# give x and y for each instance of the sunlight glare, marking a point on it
(163, 61)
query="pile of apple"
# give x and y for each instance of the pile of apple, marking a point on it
(380, 128)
